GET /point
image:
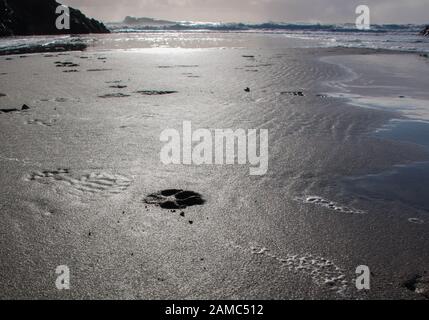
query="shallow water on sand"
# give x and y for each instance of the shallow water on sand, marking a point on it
(406, 184)
(412, 131)
(397, 84)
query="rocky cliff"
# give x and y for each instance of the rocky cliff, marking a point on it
(38, 17)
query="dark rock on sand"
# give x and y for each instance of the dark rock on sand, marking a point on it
(2, 95)
(8, 110)
(418, 284)
(179, 66)
(114, 95)
(60, 64)
(247, 89)
(294, 93)
(98, 70)
(425, 31)
(38, 17)
(155, 92)
(118, 87)
(175, 199)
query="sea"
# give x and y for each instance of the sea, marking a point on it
(187, 34)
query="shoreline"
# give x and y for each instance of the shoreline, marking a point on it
(409, 124)
(168, 39)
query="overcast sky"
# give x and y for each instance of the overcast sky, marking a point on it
(325, 11)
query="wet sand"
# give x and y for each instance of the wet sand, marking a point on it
(82, 180)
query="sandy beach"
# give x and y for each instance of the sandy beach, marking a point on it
(78, 165)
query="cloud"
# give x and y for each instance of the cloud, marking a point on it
(325, 11)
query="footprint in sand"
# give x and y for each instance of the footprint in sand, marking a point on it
(322, 271)
(93, 183)
(47, 174)
(175, 199)
(416, 221)
(319, 201)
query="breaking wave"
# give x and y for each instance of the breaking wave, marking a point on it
(268, 26)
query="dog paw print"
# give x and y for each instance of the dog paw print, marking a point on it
(175, 199)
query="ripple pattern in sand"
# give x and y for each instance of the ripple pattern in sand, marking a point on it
(93, 183)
